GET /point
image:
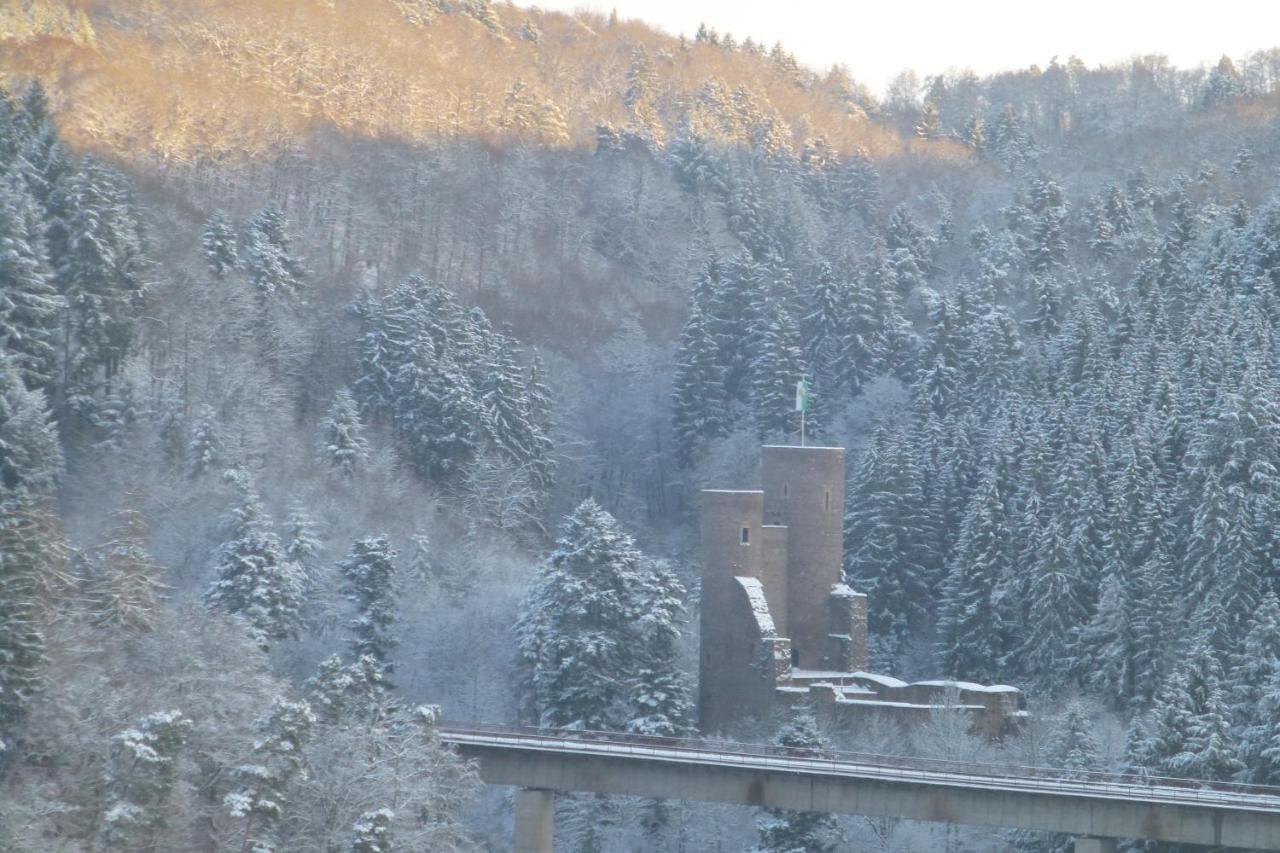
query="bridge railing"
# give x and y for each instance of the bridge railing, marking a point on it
(732, 751)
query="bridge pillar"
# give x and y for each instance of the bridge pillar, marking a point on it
(1095, 845)
(535, 810)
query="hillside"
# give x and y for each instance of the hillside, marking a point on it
(356, 355)
(244, 79)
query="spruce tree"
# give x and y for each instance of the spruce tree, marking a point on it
(578, 623)
(1055, 611)
(273, 269)
(778, 366)
(260, 796)
(204, 447)
(97, 249)
(30, 307)
(886, 541)
(371, 585)
(255, 580)
(970, 624)
(372, 832)
(140, 780)
(30, 544)
(700, 406)
(218, 246)
(342, 439)
(660, 690)
(789, 831)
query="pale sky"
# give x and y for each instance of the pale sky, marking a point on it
(878, 39)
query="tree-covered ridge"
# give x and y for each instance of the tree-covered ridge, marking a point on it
(269, 73)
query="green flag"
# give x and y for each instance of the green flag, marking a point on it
(802, 396)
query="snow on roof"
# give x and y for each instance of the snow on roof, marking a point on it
(969, 686)
(820, 673)
(843, 590)
(797, 447)
(733, 491)
(848, 689)
(841, 690)
(881, 703)
(759, 605)
(882, 680)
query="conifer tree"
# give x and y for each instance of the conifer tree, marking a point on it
(261, 793)
(140, 779)
(301, 543)
(255, 580)
(577, 627)
(778, 366)
(1255, 674)
(660, 691)
(268, 258)
(700, 406)
(372, 832)
(97, 250)
(218, 246)
(371, 585)
(30, 545)
(970, 624)
(204, 447)
(1189, 733)
(342, 691)
(788, 831)
(342, 435)
(886, 543)
(29, 304)
(1055, 610)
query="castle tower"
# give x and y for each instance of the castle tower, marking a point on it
(804, 490)
(732, 547)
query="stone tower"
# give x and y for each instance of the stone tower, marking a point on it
(771, 592)
(804, 491)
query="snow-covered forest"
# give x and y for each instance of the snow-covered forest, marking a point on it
(330, 407)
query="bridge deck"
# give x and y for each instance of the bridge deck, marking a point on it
(1081, 803)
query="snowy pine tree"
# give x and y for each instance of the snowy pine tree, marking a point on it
(218, 246)
(342, 440)
(372, 832)
(30, 307)
(370, 572)
(971, 627)
(268, 258)
(255, 580)
(578, 625)
(140, 780)
(260, 798)
(789, 831)
(699, 401)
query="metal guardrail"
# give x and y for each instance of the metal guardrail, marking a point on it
(1046, 779)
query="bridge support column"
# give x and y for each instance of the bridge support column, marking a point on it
(535, 812)
(1095, 845)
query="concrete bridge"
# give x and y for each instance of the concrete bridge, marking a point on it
(1097, 808)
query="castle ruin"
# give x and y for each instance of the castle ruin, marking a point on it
(779, 624)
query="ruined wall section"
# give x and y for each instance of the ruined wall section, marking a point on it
(732, 547)
(848, 627)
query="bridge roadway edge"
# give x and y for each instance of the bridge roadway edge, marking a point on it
(1067, 812)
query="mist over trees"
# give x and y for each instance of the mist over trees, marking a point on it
(333, 410)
